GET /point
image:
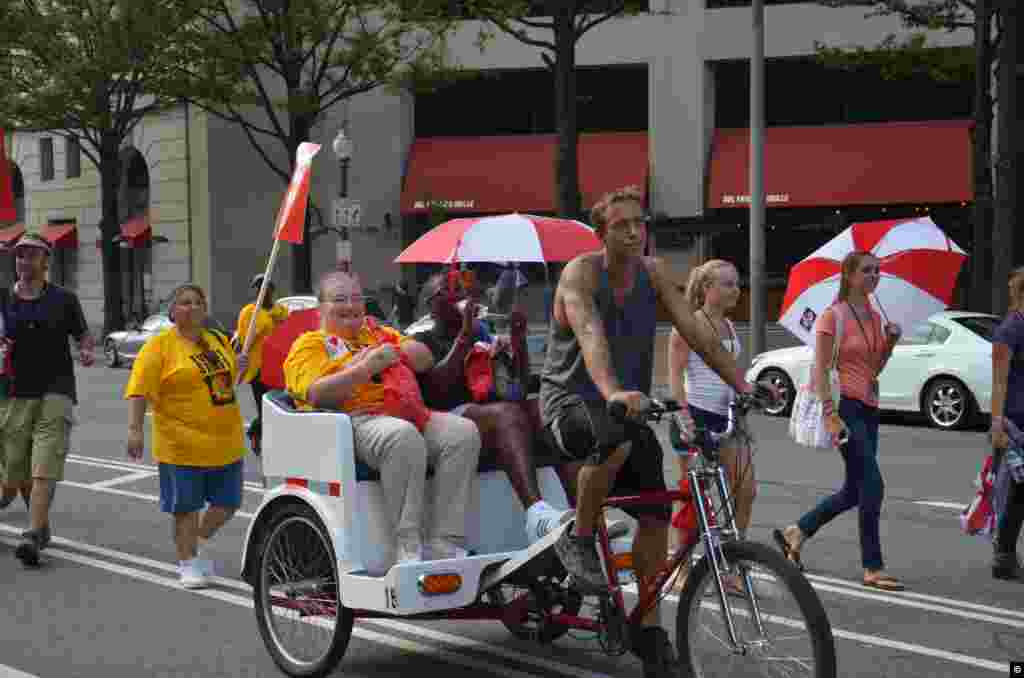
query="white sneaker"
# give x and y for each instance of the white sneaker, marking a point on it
(408, 550)
(443, 549)
(205, 566)
(191, 576)
(542, 517)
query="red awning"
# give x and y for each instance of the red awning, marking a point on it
(873, 164)
(61, 235)
(10, 234)
(494, 175)
(136, 231)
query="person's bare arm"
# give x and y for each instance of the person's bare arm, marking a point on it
(1000, 379)
(328, 392)
(823, 347)
(700, 337)
(419, 356)
(575, 298)
(678, 359)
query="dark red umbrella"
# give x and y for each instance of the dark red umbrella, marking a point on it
(279, 342)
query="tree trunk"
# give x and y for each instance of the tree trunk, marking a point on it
(302, 255)
(110, 228)
(981, 247)
(566, 153)
(1006, 165)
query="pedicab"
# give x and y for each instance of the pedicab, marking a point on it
(319, 555)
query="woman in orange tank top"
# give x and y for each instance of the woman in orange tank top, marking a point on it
(865, 348)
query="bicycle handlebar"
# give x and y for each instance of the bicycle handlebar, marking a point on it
(741, 403)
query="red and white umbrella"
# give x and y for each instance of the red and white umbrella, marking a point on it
(919, 266)
(502, 239)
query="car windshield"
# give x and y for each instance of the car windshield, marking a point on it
(982, 325)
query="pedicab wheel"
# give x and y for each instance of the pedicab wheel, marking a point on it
(556, 599)
(298, 609)
(794, 637)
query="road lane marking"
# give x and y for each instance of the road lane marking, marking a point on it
(134, 495)
(358, 630)
(123, 480)
(943, 504)
(406, 627)
(11, 672)
(942, 605)
(115, 465)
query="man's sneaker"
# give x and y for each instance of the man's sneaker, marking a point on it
(652, 645)
(443, 549)
(190, 575)
(6, 501)
(542, 517)
(203, 564)
(32, 542)
(579, 556)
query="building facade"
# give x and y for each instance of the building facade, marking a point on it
(677, 129)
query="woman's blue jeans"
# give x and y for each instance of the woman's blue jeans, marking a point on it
(863, 486)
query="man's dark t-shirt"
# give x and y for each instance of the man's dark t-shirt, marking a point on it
(40, 329)
(440, 346)
(1011, 333)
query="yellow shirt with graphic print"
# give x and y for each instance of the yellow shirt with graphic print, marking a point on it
(266, 321)
(196, 419)
(317, 354)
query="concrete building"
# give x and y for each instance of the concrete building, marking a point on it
(199, 203)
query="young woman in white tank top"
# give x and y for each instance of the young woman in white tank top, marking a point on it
(714, 289)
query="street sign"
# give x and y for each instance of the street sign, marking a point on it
(347, 213)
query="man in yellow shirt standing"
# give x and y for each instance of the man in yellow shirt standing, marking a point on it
(338, 367)
(269, 317)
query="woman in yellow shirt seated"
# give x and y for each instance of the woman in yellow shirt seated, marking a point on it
(187, 375)
(269, 317)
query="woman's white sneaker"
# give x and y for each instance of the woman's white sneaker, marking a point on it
(191, 575)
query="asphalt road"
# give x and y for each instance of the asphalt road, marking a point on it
(107, 604)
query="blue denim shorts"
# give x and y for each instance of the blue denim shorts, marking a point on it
(187, 489)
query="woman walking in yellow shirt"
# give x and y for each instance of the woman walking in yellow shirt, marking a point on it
(187, 374)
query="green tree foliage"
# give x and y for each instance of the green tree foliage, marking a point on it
(92, 69)
(277, 67)
(555, 28)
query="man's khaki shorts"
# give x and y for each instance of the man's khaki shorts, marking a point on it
(34, 437)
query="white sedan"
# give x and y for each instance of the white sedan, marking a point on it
(942, 368)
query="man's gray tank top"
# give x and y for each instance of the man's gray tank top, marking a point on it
(630, 330)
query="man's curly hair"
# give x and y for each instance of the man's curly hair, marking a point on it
(599, 212)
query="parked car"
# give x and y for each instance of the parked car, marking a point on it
(941, 368)
(124, 346)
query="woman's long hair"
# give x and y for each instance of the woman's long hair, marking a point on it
(700, 277)
(851, 262)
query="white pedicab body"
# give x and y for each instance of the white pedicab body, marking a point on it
(309, 463)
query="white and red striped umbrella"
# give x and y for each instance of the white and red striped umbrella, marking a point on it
(919, 265)
(502, 239)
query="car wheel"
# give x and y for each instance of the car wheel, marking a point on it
(110, 354)
(781, 381)
(947, 404)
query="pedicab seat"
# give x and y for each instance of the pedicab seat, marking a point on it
(366, 474)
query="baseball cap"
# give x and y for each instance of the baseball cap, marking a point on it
(34, 240)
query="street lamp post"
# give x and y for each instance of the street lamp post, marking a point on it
(342, 146)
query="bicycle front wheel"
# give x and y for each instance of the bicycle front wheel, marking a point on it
(780, 630)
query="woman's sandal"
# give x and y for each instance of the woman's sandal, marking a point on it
(791, 554)
(884, 582)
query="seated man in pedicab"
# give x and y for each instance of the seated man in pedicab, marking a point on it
(508, 422)
(351, 364)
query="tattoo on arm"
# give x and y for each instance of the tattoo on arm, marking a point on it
(586, 324)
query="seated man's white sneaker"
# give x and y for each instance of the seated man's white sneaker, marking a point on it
(542, 517)
(190, 575)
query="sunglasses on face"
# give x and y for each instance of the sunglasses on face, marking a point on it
(346, 299)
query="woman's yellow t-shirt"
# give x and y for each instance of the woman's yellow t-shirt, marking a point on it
(196, 420)
(266, 321)
(317, 354)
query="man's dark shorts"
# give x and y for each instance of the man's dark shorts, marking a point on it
(583, 431)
